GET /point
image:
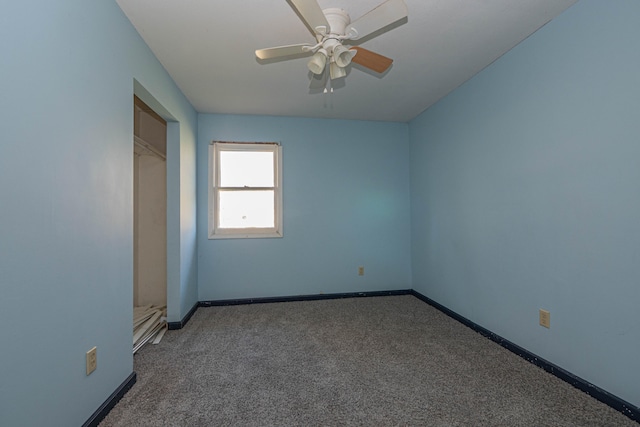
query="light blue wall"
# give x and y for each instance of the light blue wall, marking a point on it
(346, 204)
(525, 193)
(66, 211)
(525, 189)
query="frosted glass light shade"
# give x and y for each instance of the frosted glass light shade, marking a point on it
(342, 55)
(317, 62)
(337, 71)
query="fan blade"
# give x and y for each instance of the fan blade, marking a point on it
(384, 14)
(312, 13)
(371, 60)
(280, 51)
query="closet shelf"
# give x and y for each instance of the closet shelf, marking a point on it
(147, 147)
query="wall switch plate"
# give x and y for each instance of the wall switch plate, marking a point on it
(545, 318)
(92, 360)
(360, 271)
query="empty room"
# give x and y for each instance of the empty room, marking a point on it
(366, 212)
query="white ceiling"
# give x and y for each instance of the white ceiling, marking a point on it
(208, 48)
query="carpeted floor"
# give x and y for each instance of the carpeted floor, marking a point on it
(380, 361)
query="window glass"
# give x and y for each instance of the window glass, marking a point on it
(246, 209)
(246, 169)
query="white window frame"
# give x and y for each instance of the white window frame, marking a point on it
(215, 231)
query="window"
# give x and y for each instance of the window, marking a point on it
(245, 190)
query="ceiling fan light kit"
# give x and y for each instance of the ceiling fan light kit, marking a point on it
(336, 71)
(333, 29)
(343, 55)
(318, 61)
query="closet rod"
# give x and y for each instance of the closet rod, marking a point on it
(142, 143)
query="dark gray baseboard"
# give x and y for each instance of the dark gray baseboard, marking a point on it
(626, 408)
(603, 396)
(111, 401)
(314, 297)
(179, 325)
(216, 303)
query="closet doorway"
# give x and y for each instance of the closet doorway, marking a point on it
(150, 208)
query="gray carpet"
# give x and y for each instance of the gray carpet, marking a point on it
(380, 361)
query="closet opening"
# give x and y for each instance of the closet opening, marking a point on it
(149, 225)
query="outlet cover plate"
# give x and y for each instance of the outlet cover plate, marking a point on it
(92, 360)
(545, 318)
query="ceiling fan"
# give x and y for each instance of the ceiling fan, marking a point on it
(333, 29)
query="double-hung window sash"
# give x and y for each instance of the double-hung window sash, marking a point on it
(245, 193)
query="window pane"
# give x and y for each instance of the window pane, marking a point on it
(240, 209)
(246, 169)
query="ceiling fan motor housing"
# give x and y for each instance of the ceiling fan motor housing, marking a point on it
(338, 20)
